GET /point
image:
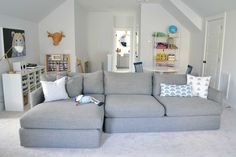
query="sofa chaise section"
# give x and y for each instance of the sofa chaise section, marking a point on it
(62, 123)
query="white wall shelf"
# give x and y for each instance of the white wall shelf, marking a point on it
(16, 88)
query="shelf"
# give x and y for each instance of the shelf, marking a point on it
(165, 49)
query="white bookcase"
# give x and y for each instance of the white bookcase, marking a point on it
(16, 88)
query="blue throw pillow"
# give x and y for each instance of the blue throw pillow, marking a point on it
(176, 90)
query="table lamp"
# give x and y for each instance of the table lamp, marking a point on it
(18, 49)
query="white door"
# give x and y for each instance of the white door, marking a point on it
(123, 50)
(213, 50)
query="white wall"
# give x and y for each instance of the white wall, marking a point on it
(32, 47)
(230, 54)
(100, 38)
(81, 37)
(196, 51)
(155, 18)
(60, 19)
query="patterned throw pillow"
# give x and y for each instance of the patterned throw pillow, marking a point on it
(176, 90)
(200, 85)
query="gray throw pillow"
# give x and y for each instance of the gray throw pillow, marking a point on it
(74, 85)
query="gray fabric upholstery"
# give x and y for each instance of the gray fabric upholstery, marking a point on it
(215, 95)
(128, 83)
(133, 106)
(64, 114)
(124, 125)
(48, 77)
(93, 83)
(60, 138)
(177, 79)
(74, 85)
(192, 106)
(36, 97)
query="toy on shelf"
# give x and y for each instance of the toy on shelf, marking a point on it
(171, 57)
(161, 45)
(172, 29)
(161, 57)
(158, 34)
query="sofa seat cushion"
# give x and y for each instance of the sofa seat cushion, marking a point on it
(123, 106)
(194, 106)
(64, 115)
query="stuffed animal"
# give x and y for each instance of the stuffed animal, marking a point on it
(81, 99)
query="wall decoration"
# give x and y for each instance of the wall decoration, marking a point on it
(56, 37)
(15, 39)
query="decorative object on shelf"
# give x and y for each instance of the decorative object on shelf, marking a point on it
(172, 29)
(170, 43)
(13, 42)
(158, 34)
(11, 70)
(171, 57)
(161, 45)
(80, 64)
(57, 62)
(18, 66)
(56, 37)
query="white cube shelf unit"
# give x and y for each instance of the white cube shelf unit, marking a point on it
(16, 88)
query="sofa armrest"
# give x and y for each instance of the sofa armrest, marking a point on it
(36, 97)
(215, 95)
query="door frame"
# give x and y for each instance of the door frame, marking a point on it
(208, 19)
(114, 47)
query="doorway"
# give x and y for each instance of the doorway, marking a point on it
(213, 50)
(123, 49)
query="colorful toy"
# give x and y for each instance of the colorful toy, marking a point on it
(161, 45)
(158, 34)
(171, 57)
(172, 29)
(161, 57)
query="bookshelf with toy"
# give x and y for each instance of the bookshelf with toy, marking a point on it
(166, 50)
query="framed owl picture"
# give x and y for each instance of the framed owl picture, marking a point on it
(15, 39)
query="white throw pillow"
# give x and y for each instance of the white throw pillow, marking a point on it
(54, 90)
(200, 85)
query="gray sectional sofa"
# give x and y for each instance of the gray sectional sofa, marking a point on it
(132, 104)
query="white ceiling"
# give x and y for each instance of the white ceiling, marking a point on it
(210, 7)
(32, 10)
(114, 5)
(35, 10)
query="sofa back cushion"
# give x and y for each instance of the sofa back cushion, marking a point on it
(128, 83)
(93, 83)
(74, 85)
(172, 79)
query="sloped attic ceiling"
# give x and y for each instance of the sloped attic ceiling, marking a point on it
(31, 10)
(210, 7)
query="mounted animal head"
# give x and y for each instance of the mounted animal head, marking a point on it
(56, 37)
